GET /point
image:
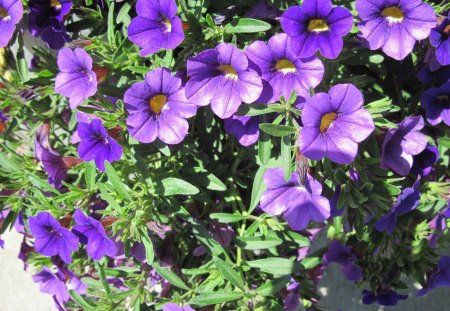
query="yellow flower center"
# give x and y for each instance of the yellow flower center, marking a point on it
(285, 66)
(168, 25)
(228, 71)
(3, 13)
(157, 103)
(55, 4)
(317, 25)
(327, 120)
(393, 14)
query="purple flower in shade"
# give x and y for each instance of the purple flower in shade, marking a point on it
(281, 70)
(384, 298)
(222, 233)
(51, 238)
(156, 27)
(424, 161)
(96, 144)
(75, 79)
(395, 25)
(299, 201)
(246, 129)
(50, 283)
(316, 25)
(436, 102)
(175, 307)
(334, 124)
(291, 297)
(437, 225)
(262, 10)
(440, 278)
(407, 201)
(92, 233)
(440, 39)
(222, 77)
(343, 255)
(401, 144)
(158, 108)
(11, 12)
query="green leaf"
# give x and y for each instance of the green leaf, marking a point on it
(286, 156)
(258, 188)
(122, 272)
(444, 141)
(310, 262)
(41, 184)
(81, 301)
(115, 180)
(170, 276)
(274, 286)
(246, 25)
(275, 265)
(227, 218)
(174, 186)
(277, 130)
(252, 110)
(228, 273)
(148, 244)
(111, 37)
(89, 175)
(264, 148)
(213, 298)
(138, 69)
(215, 183)
(258, 242)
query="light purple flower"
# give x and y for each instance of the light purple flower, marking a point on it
(156, 27)
(436, 102)
(334, 124)
(316, 25)
(50, 283)
(51, 238)
(299, 201)
(11, 12)
(440, 39)
(222, 77)
(96, 144)
(246, 129)
(401, 144)
(395, 25)
(75, 79)
(281, 70)
(175, 307)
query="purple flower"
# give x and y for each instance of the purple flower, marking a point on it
(96, 144)
(401, 144)
(407, 201)
(440, 278)
(334, 124)
(424, 161)
(395, 25)
(384, 298)
(222, 233)
(316, 25)
(175, 307)
(51, 238)
(82, 117)
(440, 39)
(436, 102)
(291, 299)
(92, 233)
(11, 12)
(281, 70)
(50, 283)
(299, 201)
(262, 10)
(156, 27)
(222, 77)
(75, 79)
(246, 129)
(158, 107)
(342, 254)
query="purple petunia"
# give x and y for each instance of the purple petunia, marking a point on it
(299, 201)
(51, 238)
(175, 307)
(316, 25)
(436, 102)
(424, 161)
(401, 144)
(281, 70)
(342, 254)
(222, 77)
(92, 233)
(440, 39)
(384, 298)
(395, 25)
(334, 124)
(75, 79)
(11, 12)
(156, 27)
(291, 298)
(246, 129)
(50, 283)
(440, 278)
(158, 108)
(96, 144)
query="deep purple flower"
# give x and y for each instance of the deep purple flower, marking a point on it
(291, 298)
(246, 129)
(158, 107)
(51, 238)
(281, 70)
(50, 283)
(407, 201)
(384, 298)
(395, 25)
(156, 27)
(334, 124)
(299, 201)
(11, 12)
(424, 161)
(175, 307)
(440, 278)
(440, 39)
(75, 79)
(342, 254)
(401, 144)
(262, 10)
(437, 225)
(82, 117)
(92, 233)
(436, 102)
(222, 77)
(96, 144)
(316, 25)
